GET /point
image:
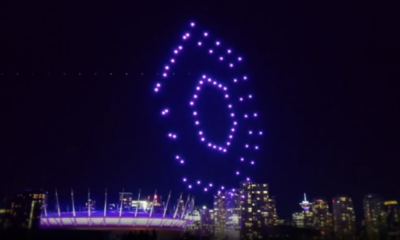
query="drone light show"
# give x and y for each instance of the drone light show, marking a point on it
(209, 110)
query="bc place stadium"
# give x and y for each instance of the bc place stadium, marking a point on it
(128, 213)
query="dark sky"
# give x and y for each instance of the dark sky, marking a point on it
(325, 76)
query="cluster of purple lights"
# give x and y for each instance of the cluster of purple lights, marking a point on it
(206, 81)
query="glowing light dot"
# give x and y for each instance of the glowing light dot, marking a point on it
(225, 88)
(230, 65)
(164, 74)
(198, 88)
(204, 76)
(222, 187)
(180, 47)
(224, 150)
(210, 184)
(210, 51)
(209, 80)
(184, 179)
(172, 60)
(245, 116)
(240, 99)
(166, 67)
(228, 143)
(190, 186)
(221, 58)
(255, 115)
(197, 123)
(199, 43)
(226, 96)
(155, 89)
(201, 82)
(220, 148)
(230, 136)
(200, 133)
(174, 136)
(198, 182)
(182, 162)
(239, 59)
(232, 129)
(252, 162)
(260, 133)
(234, 123)
(248, 179)
(220, 85)
(205, 34)
(214, 147)
(177, 157)
(229, 106)
(217, 43)
(229, 51)
(235, 80)
(245, 78)
(184, 37)
(250, 96)
(256, 147)
(237, 173)
(203, 139)
(192, 24)
(191, 103)
(247, 145)
(250, 132)
(175, 51)
(205, 189)
(158, 85)
(169, 134)
(194, 113)
(187, 35)
(215, 83)
(194, 96)
(241, 159)
(209, 144)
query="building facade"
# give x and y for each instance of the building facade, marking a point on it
(343, 217)
(227, 214)
(322, 217)
(258, 210)
(392, 219)
(373, 216)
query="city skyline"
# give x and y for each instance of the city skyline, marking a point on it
(325, 92)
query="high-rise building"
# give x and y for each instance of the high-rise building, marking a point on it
(305, 218)
(343, 217)
(322, 217)
(258, 210)
(374, 216)
(227, 214)
(207, 222)
(392, 218)
(25, 210)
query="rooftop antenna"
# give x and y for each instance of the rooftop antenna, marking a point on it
(177, 207)
(166, 205)
(105, 203)
(58, 204)
(73, 203)
(154, 202)
(137, 205)
(122, 198)
(184, 208)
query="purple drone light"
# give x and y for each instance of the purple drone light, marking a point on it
(209, 49)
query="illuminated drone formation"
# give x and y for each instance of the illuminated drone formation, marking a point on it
(228, 61)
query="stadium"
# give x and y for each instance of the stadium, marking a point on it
(126, 215)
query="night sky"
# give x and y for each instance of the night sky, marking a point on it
(325, 77)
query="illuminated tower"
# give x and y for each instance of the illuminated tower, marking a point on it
(373, 213)
(392, 217)
(305, 205)
(343, 217)
(322, 217)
